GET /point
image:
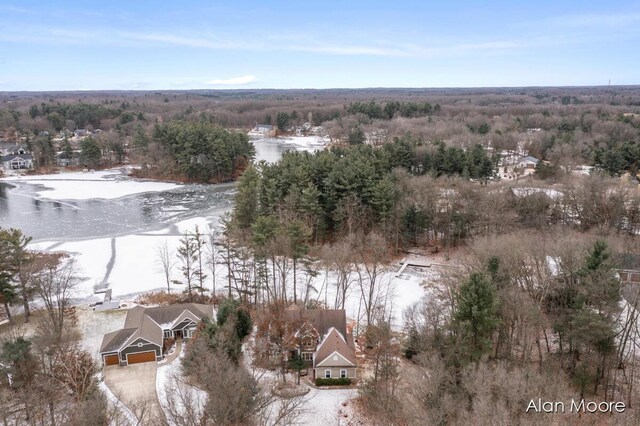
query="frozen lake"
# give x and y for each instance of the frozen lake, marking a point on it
(114, 225)
(84, 206)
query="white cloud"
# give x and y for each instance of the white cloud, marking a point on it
(14, 9)
(233, 81)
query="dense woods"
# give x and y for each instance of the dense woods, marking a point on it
(567, 127)
(196, 152)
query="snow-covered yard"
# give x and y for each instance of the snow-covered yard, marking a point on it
(325, 407)
(95, 324)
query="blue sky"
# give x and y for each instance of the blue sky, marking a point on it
(125, 44)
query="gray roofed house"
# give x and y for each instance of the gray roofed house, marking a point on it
(17, 161)
(112, 341)
(528, 162)
(145, 329)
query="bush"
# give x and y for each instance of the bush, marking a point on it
(166, 344)
(344, 381)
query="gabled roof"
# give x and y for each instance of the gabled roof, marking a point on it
(11, 157)
(168, 314)
(148, 324)
(321, 319)
(111, 342)
(528, 159)
(333, 342)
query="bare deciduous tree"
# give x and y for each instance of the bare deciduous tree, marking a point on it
(167, 262)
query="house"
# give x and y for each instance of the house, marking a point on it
(63, 159)
(528, 163)
(629, 264)
(263, 131)
(8, 148)
(146, 329)
(323, 340)
(17, 161)
(335, 356)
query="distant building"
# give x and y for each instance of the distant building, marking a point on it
(63, 160)
(8, 148)
(17, 161)
(629, 264)
(528, 162)
(263, 131)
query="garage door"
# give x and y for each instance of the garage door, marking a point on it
(111, 360)
(141, 357)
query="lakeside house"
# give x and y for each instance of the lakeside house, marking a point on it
(15, 156)
(263, 131)
(146, 329)
(17, 161)
(528, 163)
(323, 340)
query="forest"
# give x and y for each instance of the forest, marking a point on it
(530, 289)
(565, 127)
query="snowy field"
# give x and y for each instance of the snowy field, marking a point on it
(104, 184)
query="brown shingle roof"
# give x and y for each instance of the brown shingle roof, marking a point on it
(321, 319)
(334, 342)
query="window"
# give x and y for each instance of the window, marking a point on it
(187, 334)
(168, 334)
(140, 344)
(327, 374)
(307, 356)
(343, 374)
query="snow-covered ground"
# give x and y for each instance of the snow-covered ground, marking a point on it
(128, 265)
(324, 407)
(95, 324)
(395, 293)
(104, 184)
(173, 392)
(305, 143)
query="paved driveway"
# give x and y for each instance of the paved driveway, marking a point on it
(135, 386)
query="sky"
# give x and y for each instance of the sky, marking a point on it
(178, 45)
